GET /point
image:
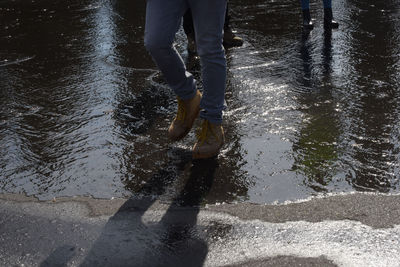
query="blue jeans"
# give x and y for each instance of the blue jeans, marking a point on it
(305, 4)
(163, 19)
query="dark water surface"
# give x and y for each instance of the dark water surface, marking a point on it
(83, 110)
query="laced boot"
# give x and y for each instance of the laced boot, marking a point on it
(328, 19)
(230, 39)
(188, 110)
(210, 140)
(307, 22)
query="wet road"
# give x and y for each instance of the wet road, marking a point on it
(348, 230)
(83, 110)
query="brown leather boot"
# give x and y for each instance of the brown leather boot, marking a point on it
(188, 110)
(210, 141)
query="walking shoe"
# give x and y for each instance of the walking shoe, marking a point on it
(188, 110)
(230, 39)
(307, 22)
(210, 141)
(328, 19)
(191, 45)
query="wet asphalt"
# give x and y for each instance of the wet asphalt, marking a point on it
(342, 230)
(83, 107)
(88, 178)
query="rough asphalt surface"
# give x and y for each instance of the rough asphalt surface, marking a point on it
(343, 230)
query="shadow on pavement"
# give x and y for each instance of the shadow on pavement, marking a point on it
(59, 257)
(131, 238)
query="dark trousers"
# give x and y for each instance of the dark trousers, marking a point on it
(188, 21)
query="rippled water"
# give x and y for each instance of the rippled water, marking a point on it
(84, 111)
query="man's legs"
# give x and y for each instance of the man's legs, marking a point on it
(305, 8)
(230, 38)
(208, 19)
(327, 3)
(162, 22)
(328, 17)
(163, 19)
(189, 31)
(188, 22)
(305, 4)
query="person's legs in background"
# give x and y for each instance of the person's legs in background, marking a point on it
(328, 17)
(189, 31)
(230, 39)
(305, 8)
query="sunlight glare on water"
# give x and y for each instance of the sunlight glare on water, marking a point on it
(84, 111)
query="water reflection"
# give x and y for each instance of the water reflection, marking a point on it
(374, 105)
(316, 150)
(45, 98)
(84, 111)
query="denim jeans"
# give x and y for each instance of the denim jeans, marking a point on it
(188, 21)
(163, 19)
(305, 4)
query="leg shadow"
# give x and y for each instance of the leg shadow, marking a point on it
(59, 257)
(175, 240)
